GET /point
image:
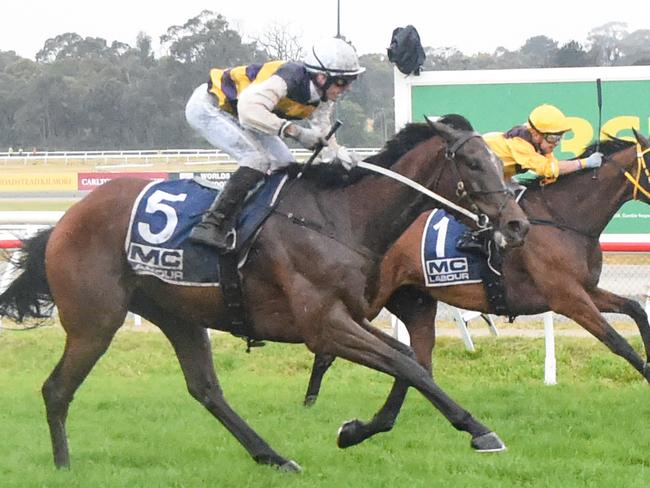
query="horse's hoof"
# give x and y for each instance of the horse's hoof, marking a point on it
(291, 467)
(489, 442)
(309, 400)
(348, 434)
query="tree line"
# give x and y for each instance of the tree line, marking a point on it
(81, 93)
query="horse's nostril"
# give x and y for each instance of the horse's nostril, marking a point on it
(519, 227)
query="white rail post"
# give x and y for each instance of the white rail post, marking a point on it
(550, 374)
(461, 323)
(137, 320)
(399, 330)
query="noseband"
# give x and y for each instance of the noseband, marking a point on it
(461, 192)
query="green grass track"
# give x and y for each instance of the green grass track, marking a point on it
(134, 424)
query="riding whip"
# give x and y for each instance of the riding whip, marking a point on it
(599, 95)
(319, 147)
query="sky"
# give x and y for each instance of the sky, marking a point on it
(471, 25)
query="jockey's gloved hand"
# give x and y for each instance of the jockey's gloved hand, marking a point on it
(593, 161)
(308, 138)
(346, 158)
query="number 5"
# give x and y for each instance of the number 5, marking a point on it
(154, 204)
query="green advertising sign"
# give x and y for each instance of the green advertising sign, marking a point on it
(499, 99)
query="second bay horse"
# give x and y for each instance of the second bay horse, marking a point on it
(557, 268)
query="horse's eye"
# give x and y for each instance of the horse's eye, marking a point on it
(473, 164)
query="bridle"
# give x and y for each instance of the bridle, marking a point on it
(640, 165)
(462, 192)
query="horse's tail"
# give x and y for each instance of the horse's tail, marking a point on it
(28, 295)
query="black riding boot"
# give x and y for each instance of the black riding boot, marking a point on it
(216, 226)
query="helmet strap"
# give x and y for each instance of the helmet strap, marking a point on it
(328, 80)
(323, 88)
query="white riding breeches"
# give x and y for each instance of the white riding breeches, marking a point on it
(251, 148)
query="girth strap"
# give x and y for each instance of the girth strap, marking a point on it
(233, 298)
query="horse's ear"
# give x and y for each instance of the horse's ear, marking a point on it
(640, 138)
(430, 119)
(440, 129)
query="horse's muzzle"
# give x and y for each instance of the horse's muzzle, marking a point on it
(512, 234)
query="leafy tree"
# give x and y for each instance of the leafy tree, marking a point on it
(72, 45)
(144, 50)
(538, 51)
(605, 42)
(373, 93)
(571, 54)
(635, 47)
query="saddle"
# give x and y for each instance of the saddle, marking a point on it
(452, 254)
(157, 243)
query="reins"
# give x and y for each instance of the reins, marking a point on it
(481, 220)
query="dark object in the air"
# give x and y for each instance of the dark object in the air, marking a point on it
(406, 50)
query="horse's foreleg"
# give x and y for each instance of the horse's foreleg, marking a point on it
(608, 302)
(418, 312)
(585, 312)
(322, 363)
(194, 353)
(349, 340)
(356, 431)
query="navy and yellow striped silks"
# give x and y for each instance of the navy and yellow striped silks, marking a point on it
(228, 84)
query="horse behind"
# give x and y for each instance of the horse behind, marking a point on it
(557, 268)
(309, 278)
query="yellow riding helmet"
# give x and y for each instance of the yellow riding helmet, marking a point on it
(548, 119)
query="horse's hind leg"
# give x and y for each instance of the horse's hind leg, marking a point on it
(417, 310)
(194, 352)
(608, 302)
(79, 356)
(91, 298)
(322, 363)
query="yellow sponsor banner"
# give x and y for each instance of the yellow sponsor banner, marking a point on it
(36, 182)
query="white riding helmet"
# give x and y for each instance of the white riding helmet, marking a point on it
(333, 57)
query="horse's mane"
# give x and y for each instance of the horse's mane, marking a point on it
(606, 146)
(406, 139)
(412, 135)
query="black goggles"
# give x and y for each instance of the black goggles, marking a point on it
(341, 81)
(552, 138)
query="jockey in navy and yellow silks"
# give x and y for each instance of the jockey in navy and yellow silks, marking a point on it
(248, 112)
(227, 84)
(527, 150)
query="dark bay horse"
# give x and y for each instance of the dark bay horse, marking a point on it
(557, 268)
(309, 278)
